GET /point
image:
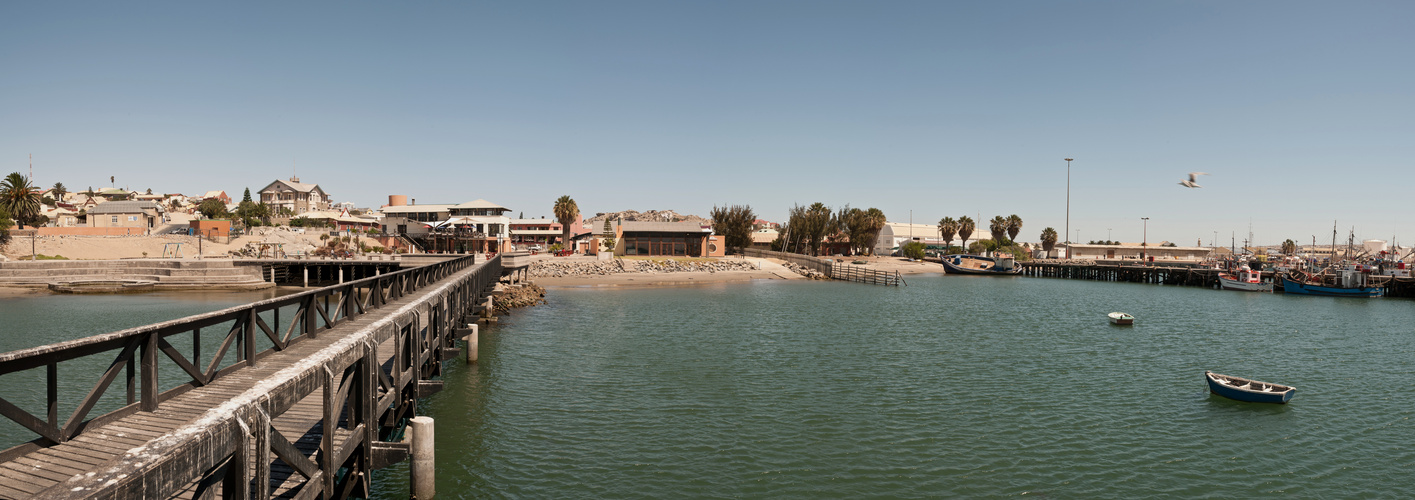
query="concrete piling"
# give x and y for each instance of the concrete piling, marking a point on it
(472, 342)
(424, 467)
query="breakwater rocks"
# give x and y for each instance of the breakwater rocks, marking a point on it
(524, 295)
(552, 269)
(805, 271)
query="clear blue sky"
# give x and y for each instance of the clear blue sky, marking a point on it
(1303, 113)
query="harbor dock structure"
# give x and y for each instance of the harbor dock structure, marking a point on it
(300, 396)
(1174, 275)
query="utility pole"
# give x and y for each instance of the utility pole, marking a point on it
(1145, 241)
(1068, 200)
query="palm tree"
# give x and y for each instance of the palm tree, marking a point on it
(875, 221)
(1048, 240)
(1289, 247)
(947, 228)
(60, 191)
(1014, 226)
(567, 212)
(998, 228)
(965, 229)
(19, 198)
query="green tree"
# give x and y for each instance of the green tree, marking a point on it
(947, 229)
(734, 223)
(815, 225)
(1289, 247)
(997, 227)
(245, 198)
(566, 212)
(1048, 240)
(60, 191)
(5, 224)
(913, 250)
(20, 199)
(1014, 226)
(965, 229)
(212, 209)
(863, 228)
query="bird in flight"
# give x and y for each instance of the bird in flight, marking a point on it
(1193, 176)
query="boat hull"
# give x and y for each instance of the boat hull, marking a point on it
(1242, 286)
(1299, 288)
(1239, 393)
(951, 268)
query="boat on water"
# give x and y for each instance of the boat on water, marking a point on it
(1120, 318)
(1245, 280)
(1000, 264)
(1346, 282)
(1252, 391)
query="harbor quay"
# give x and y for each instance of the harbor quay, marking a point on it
(1169, 274)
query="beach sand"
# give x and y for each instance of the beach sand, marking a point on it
(770, 269)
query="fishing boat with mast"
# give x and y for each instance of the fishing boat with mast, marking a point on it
(1245, 279)
(1348, 279)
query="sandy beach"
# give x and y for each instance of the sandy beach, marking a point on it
(768, 269)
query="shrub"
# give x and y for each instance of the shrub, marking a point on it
(913, 250)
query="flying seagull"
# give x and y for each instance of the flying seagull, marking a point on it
(1192, 177)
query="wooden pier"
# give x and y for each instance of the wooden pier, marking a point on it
(292, 397)
(1399, 287)
(1161, 275)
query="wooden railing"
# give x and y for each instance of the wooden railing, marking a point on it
(242, 336)
(833, 269)
(861, 274)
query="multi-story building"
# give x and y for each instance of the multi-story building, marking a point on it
(294, 196)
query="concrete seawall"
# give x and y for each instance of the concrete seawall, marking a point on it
(163, 274)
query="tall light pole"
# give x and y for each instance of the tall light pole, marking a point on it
(1068, 199)
(1107, 234)
(1078, 234)
(1145, 243)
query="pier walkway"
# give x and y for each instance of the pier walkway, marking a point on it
(292, 397)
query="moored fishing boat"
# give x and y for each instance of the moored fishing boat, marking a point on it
(1253, 391)
(1002, 264)
(1347, 282)
(1120, 318)
(1245, 280)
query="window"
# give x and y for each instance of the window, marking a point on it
(115, 219)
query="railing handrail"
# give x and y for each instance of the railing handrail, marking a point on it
(143, 345)
(262, 305)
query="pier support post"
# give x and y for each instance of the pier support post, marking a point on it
(472, 342)
(423, 468)
(341, 275)
(307, 276)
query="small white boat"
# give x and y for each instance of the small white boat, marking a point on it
(1120, 318)
(1247, 280)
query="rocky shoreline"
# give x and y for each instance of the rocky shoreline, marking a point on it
(524, 295)
(552, 269)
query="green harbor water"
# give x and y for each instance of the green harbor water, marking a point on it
(952, 386)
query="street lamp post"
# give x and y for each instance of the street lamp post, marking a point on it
(1107, 234)
(1145, 242)
(1068, 198)
(1078, 234)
